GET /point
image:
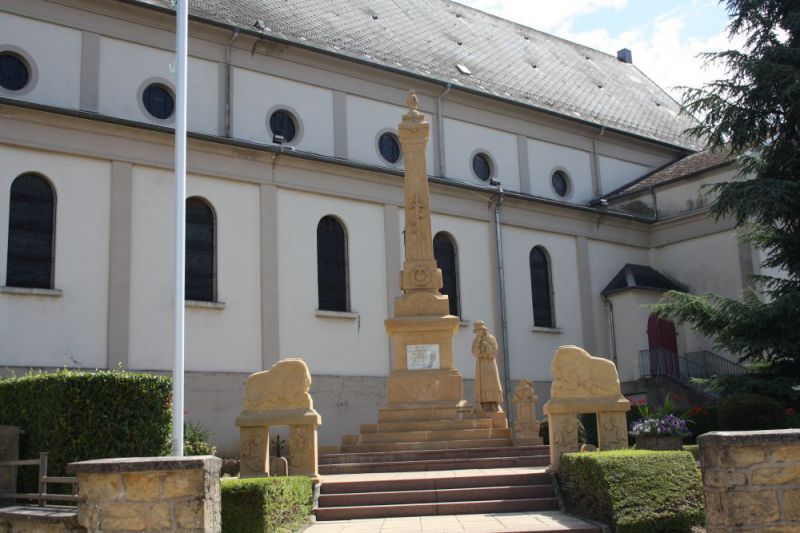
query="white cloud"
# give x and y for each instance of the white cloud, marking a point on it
(664, 48)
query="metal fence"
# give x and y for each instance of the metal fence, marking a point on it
(683, 367)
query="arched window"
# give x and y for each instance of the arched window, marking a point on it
(332, 265)
(31, 224)
(444, 250)
(200, 251)
(541, 289)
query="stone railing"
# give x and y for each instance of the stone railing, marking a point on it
(149, 494)
(751, 481)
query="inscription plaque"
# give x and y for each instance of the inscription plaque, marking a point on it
(422, 356)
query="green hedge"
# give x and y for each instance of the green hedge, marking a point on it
(749, 412)
(259, 505)
(634, 491)
(77, 416)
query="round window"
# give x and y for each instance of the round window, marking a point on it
(14, 72)
(389, 147)
(482, 166)
(560, 182)
(282, 123)
(158, 101)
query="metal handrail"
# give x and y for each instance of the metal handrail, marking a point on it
(42, 496)
(684, 367)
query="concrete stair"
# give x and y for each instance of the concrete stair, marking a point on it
(425, 496)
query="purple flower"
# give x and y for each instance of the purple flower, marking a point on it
(665, 425)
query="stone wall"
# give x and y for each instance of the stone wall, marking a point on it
(162, 494)
(751, 481)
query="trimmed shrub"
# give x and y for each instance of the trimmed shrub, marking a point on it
(693, 449)
(271, 504)
(77, 416)
(748, 412)
(634, 491)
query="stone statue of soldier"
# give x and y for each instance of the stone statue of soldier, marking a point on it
(488, 392)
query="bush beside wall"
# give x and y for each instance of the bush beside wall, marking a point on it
(259, 505)
(77, 416)
(634, 491)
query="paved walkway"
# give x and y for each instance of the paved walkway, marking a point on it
(473, 523)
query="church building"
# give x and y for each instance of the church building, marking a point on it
(565, 196)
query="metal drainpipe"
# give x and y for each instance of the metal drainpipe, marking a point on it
(596, 163)
(502, 281)
(440, 128)
(612, 332)
(228, 83)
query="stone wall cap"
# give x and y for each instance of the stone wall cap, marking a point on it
(143, 464)
(67, 516)
(750, 437)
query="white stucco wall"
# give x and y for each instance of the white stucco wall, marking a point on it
(532, 351)
(545, 158)
(125, 68)
(688, 194)
(226, 339)
(707, 264)
(367, 120)
(616, 172)
(68, 330)
(255, 95)
(355, 346)
(55, 52)
(605, 261)
(630, 323)
(462, 140)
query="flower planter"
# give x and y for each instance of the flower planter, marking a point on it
(659, 442)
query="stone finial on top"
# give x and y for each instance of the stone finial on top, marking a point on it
(412, 102)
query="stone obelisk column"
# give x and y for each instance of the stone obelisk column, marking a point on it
(423, 381)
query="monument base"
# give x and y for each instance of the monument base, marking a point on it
(442, 385)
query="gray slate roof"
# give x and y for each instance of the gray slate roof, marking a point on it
(641, 277)
(428, 38)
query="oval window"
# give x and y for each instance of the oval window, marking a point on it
(158, 101)
(14, 72)
(560, 183)
(282, 123)
(482, 166)
(389, 147)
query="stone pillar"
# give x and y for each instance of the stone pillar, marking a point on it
(751, 481)
(303, 450)
(9, 451)
(612, 430)
(563, 432)
(254, 451)
(526, 426)
(166, 494)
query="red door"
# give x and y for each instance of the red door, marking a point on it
(662, 340)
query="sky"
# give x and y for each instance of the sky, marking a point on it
(664, 36)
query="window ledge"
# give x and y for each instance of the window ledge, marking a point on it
(539, 329)
(205, 305)
(349, 315)
(31, 291)
(463, 323)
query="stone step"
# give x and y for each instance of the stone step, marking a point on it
(436, 495)
(436, 464)
(429, 445)
(439, 508)
(432, 483)
(434, 435)
(427, 425)
(421, 455)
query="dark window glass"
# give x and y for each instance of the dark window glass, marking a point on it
(200, 244)
(158, 101)
(482, 167)
(14, 74)
(560, 183)
(444, 250)
(540, 289)
(331, 265)
(30, 233)
(282, 123)
(389, 147)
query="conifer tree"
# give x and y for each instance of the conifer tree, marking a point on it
(755, 114)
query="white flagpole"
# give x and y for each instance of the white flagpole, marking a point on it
(180, 224)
